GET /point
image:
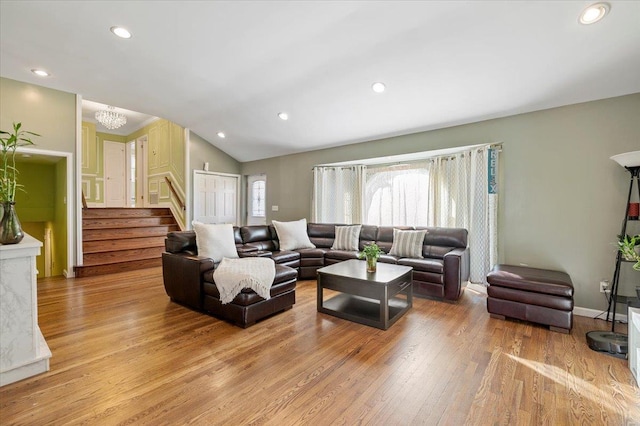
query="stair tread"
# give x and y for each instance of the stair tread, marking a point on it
(112, 244)
(88, 270)
(104, 234)
(118, 239)
(123, 256)
(160, 216)
(125, 226)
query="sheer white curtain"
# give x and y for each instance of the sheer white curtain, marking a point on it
(338, 194)
(459, 194)
(395, 195)
(450, 191)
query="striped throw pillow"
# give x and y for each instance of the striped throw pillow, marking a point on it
(347, 237)
(407, 243)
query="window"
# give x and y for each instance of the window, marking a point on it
(397, 195)
(258, 201)
(452, 189)
(337, 194)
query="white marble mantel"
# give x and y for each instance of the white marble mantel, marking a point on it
(23, 350)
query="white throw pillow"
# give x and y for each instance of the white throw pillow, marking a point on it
(347, 237)
(293, 235)
(407, 243)
(215, 241)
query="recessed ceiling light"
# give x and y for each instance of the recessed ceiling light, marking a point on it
(121, 32)
(40, 72)
(221, 135)
(283, 116)
(594, 13)
(378, 87)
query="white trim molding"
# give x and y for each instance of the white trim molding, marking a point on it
(69, 200)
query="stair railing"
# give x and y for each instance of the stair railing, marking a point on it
(175, 193)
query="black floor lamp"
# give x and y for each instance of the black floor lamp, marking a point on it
(612, 343)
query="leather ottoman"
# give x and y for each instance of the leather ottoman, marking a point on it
(537, 295)
(247, 307)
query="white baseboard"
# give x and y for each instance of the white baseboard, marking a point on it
(592, 313)
(577, 310)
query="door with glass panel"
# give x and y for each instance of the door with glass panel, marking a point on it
(256, 200)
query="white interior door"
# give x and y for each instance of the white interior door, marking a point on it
(215, 197)
(141, 172)
(256, 200)
(131, 173)
(226, 188)
(114, 174)
(203, 201)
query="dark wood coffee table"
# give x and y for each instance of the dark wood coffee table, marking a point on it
(375, 299)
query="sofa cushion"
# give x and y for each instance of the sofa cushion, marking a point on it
(255, 233)
(293, 235)
(215, 241)
(312, 253)
(535, 280)
(322, 234)
(283, 273)
(341, 255)
(531, 298)
(285, 280)
(407, 243)
(384, 236)
(368, 235)
(347, 237)
(181, 242)
(440, 241)
(237, 236)
(386, 258)
(425, 265)
(285, 256)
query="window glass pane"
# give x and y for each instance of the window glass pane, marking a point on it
(397, 196)
(258, 198)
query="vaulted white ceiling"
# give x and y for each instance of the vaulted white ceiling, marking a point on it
(233, 66)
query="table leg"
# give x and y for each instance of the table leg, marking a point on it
(384, 308)
(319, 296)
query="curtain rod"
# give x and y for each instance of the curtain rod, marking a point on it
(495, 145)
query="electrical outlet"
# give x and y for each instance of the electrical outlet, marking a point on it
(604, 286)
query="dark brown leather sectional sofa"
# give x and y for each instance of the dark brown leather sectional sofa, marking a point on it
(188, 278)
(440, 274)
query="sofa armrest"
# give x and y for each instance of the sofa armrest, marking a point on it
(456, 271)
(256, 253)
(245, 248)
(182, 276)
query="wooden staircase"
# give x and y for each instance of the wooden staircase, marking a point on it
(123, 239)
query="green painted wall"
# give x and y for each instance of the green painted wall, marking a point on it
(201, 151)
(43, 205)
(60, 220)
(37, 230)
(35, 205)
(92, 165)
(165, 158)
(111, 137)
(52, 114)
(561, 197)
(93, 161)
(37, 202)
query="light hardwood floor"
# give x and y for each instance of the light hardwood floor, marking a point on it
(124, 354)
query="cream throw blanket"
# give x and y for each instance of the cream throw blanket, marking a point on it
(232, 275)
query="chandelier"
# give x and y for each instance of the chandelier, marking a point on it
(111, 119)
